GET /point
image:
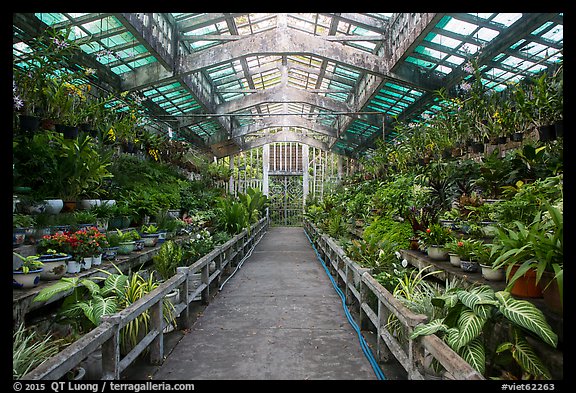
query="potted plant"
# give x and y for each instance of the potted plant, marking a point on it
(465, 249)
(109, 253)
(485, 254)
(28, 274)
(169, 257)
(55, 265)
(84, 218)
(528, 252)
(121, 216)
(21, 225)
(453, 249)
(127, 241)
(150, 235)
(434, 238)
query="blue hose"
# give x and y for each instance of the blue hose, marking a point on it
(363, 344)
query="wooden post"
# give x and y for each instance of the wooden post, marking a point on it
(382, 350)
(111, 350)
(157, 345)
(183, 321)
(205, 280)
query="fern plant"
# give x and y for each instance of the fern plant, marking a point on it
(471, 318)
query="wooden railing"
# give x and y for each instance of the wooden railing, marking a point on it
(107, 335)
(378, 307)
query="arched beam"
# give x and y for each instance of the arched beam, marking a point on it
(278, 41)
(284, 136)
(284, 121)
(234, 146)
(283, 93)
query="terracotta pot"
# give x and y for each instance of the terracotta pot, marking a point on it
(525, 286)
(69, 206)
(414, 244)
(551, 293)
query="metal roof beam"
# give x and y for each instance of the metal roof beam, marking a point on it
(284, 121)
(279, 41)
(282, 94)
(283, 136)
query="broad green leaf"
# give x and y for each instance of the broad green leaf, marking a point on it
(479, 299)
(63, 285)
(523, 353)
(103, 306)
(526, 315)
(474, 354)
(470, 326)
(91, 285)
(429, 328)
(114, 284)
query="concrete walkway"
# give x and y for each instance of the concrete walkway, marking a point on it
(277, 318)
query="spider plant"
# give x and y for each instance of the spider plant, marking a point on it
(29, 350)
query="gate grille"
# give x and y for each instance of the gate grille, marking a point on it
(285, 193)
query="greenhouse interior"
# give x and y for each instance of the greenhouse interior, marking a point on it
(287, 196)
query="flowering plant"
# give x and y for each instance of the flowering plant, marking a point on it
(48, 52)
(82, 243)
(466, 249)
(436, 235)
(90, 241)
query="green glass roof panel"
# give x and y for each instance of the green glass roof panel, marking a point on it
(419, 62)
(51, 18)
(542, 28)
